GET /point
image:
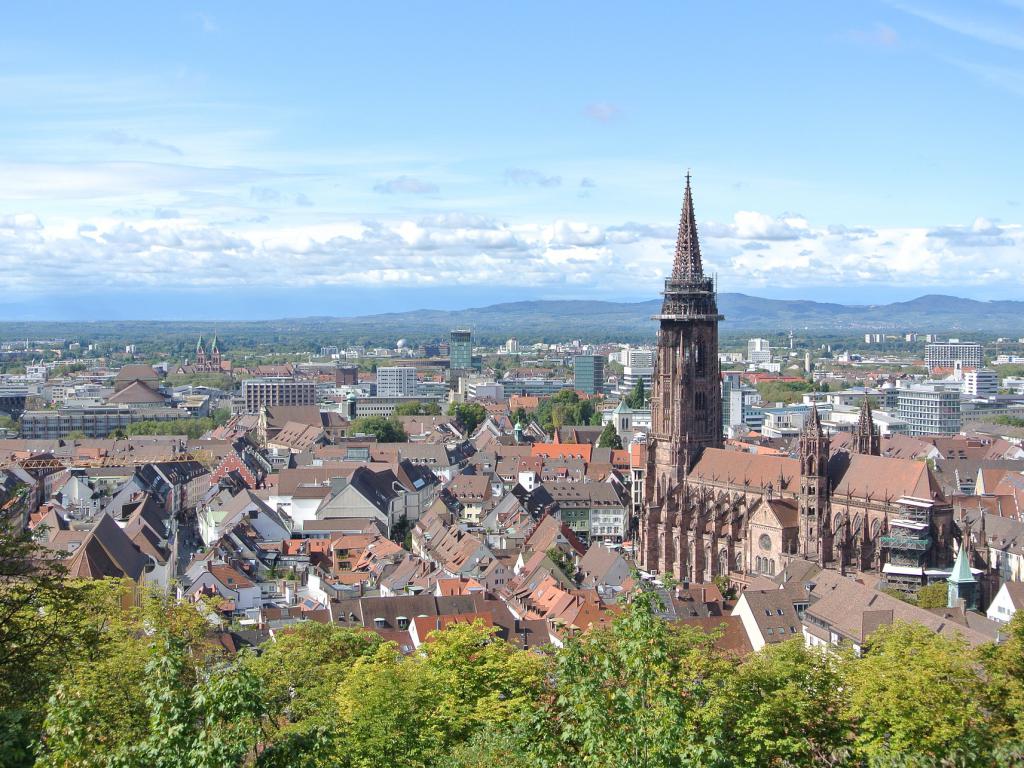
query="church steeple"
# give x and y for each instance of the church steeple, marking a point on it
(686, 403)
(687, 265)
(866, 439)
(815, 538)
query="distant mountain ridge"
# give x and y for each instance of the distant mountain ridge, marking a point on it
(553, 320)
(597, 319)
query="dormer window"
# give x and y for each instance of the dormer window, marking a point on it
(403, 622)
(379, 623)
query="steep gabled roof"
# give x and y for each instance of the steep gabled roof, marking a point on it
(107, 551)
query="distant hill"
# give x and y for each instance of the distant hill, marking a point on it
(556, 320)
(598, 320)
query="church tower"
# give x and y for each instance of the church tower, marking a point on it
(686, 397)
(865, 438)
(214, 354)
(815, 540)
(200, 353)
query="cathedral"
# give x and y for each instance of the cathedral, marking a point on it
(710, 512)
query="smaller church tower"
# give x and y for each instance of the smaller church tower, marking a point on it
(815, 542)
(962, 584)
(866, 438)
(200, 353)
(214, 354)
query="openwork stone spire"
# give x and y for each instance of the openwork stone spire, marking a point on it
(687, 264)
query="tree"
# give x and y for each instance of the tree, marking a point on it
(609, 437)
(566, 409)
(417, 408)
(914, 694)
(624, 694)
(384, 429)
(638, 397)
(468, 415)
(778, 708)
(933, 595)
(300, 671)
(202, 718)
(395, 710)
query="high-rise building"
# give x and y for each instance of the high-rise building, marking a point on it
(981, 382)
(460, 350)
(946, 355)
(277, 390)
(759, 351)
(588, 373)
(631, 375)
(396, 381)
(686, 399)
(929, 409)
(639, 358)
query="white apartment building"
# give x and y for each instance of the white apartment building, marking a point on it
(759, 351)
(396, 381)
(929, 409)
(947, 354)
(981, 382)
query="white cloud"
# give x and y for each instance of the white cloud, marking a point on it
(466, 249)
(752, 225)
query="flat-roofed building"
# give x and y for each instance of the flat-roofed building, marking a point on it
(276, 391)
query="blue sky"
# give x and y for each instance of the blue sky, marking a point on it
(267, 159)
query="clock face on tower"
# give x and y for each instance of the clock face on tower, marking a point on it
(765, 542)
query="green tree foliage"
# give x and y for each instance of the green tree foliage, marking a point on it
(192, 428)
(566, 409)
(637, 398)
(189, 716)
(417, 408)
(396, 710)
(221, 381)
(624, 695)
(777, 708)
(914, 694)
(1008, 421)
(300, 671)
(784, 391)
(384, 429)
(933, 595)
(468, 415)
(609, 438)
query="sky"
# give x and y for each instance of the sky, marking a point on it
(266, 159)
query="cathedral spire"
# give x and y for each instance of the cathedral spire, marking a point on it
(812, 425)
(866, 439)
(687, 265)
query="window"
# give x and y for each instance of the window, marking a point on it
(778, 611)
(403, 622)
(769, 631)
(379, 623)
(765, 542)
(767, 611)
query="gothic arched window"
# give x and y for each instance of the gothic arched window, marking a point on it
(700, 365)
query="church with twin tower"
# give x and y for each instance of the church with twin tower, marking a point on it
(711, 512)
